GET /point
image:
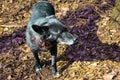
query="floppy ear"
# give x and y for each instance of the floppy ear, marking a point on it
(40, 29)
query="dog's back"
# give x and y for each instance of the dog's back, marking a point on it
(41, 10)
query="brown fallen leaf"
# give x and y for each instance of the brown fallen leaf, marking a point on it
(110, 76)
(0, 65)
(9, 77)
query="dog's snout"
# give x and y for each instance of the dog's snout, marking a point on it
(76, 41)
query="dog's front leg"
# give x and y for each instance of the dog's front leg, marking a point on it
(37, 61)
(53, 51)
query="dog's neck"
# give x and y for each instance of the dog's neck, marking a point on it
(45, 20)
(51, 16)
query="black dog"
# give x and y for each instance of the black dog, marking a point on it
(44, 31)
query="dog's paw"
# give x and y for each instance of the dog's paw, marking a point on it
(56, 74)
(38, 68)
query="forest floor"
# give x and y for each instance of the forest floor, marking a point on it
(96, 57)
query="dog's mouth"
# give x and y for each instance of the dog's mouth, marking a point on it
(44, 44)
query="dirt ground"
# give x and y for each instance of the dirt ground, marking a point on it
(96, 23)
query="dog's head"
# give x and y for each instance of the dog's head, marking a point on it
(55, 32)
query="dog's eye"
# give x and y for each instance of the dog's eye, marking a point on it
(46, 36)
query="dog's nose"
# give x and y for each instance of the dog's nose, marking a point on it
(76, 41)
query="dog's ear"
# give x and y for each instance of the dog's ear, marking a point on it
(40, 29)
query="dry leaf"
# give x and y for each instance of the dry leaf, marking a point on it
(110, 76)
(9, 77)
